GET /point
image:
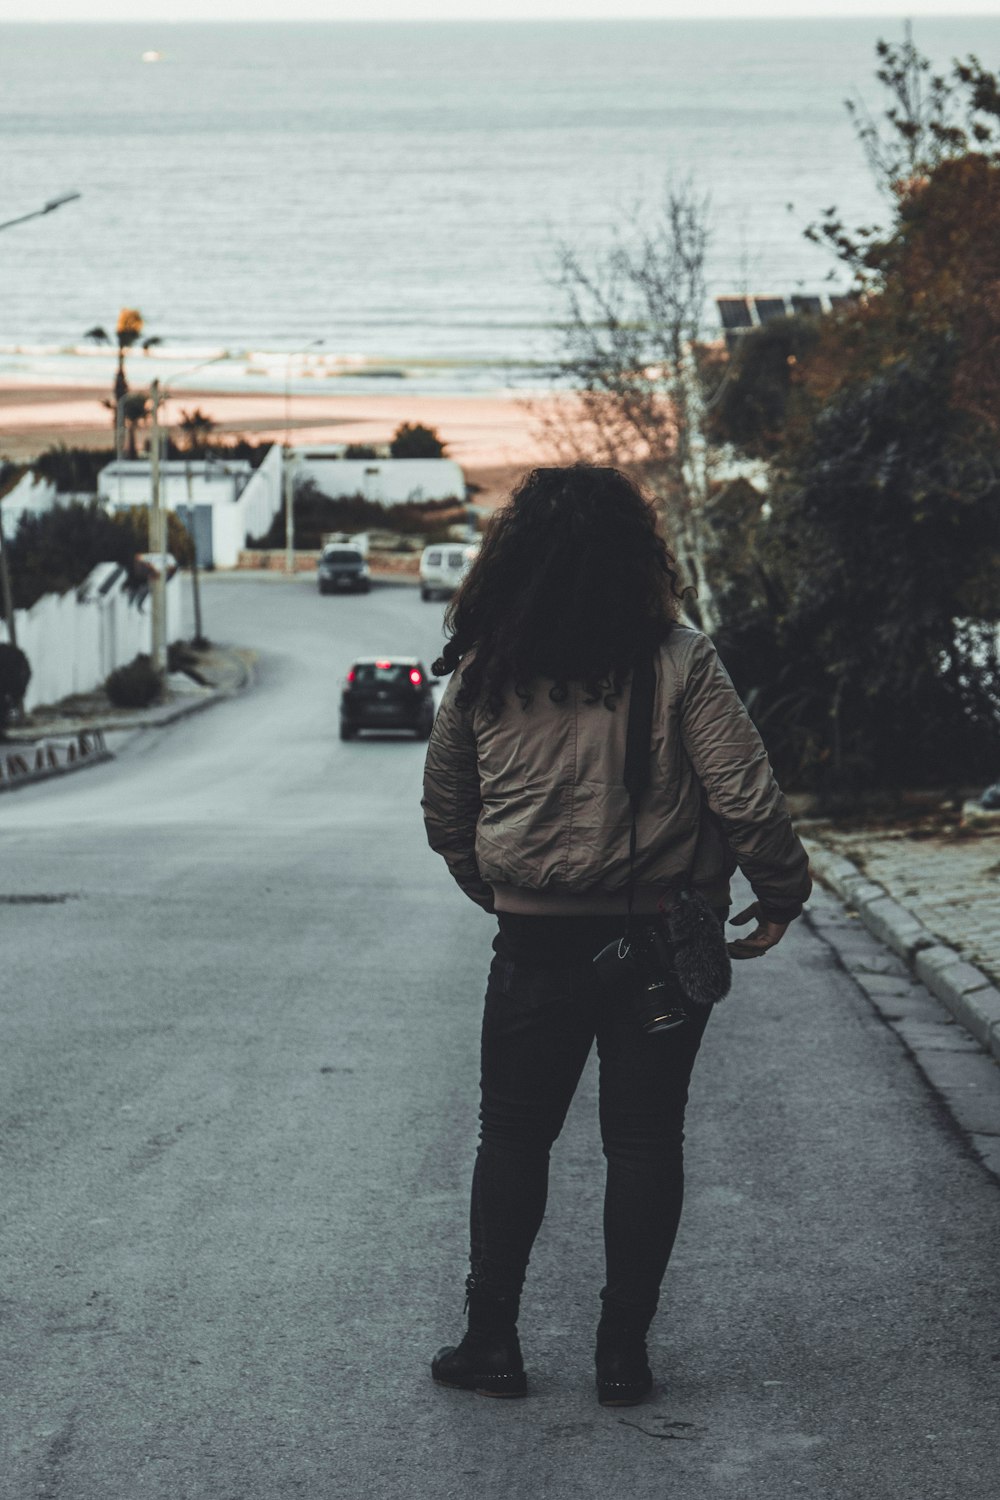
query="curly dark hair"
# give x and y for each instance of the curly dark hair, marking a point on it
(572, 581)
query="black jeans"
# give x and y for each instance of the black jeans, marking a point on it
(544, 1010)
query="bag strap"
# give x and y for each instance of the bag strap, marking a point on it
(640, 729)
(637, 748)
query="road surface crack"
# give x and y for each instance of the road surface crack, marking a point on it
(685, 1436)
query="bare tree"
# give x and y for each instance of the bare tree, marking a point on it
(629, 380)
(928, 119)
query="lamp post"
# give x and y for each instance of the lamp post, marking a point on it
(289, 468)
(158, 517)
(199, 635)
(38, 213)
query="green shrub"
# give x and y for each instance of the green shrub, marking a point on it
(15, 674)
(54, 551)
(851, 641)
(136, 685)
(72, 469)
(360, 450)
(414, 440)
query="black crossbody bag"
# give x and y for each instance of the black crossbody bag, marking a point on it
(676, 962)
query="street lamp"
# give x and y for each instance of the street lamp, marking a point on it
(289, 469)
(158, 516)
(38, 213)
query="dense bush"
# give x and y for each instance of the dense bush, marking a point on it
(752, 409)
(861, 626)
(73, 470)
(180, 543)
(9, 475)
(15, 674)
(55, 551)
(858, 654)
(414, 440)
(360, 450)
(222, 448)
(136, 685)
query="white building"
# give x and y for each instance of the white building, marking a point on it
(220, 501)
(387, 481)
(197, 481)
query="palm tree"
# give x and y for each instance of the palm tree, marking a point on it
(128, 331)
(197, 427)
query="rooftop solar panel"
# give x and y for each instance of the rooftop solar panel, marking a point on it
(734, 312)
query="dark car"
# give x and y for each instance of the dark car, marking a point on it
(387, 693)
(342, 567)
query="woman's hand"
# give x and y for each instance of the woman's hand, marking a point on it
(764, 936)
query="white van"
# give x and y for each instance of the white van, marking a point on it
(443, 566)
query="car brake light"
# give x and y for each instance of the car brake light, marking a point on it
(416, 678)
(383, 664)
(350, 675)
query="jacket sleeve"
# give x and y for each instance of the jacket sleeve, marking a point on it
(730, 760)
(452, 802)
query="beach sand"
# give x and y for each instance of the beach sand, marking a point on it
(494, 438)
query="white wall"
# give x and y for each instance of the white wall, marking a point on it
(243, 503)
(72, 645)
(256, 508)
(389, 481)
(129, 483)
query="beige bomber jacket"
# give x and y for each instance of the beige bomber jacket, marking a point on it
(531, 816)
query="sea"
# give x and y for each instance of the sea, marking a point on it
(352, 207)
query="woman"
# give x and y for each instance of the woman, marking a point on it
(524, 798)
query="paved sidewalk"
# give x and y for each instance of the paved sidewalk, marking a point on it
(946, 875)
(928, 887)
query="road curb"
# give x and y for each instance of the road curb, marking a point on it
(154, 718)
(46, 754)
(969, 994)
(168, 713)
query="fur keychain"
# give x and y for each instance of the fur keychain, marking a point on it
(697, 946)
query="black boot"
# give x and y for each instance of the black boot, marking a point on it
(488, 1360)
(623, 1374)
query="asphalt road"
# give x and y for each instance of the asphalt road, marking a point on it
(237, 1121)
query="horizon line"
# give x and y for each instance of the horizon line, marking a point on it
(833, 14)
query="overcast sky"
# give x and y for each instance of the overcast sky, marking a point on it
(365, 10)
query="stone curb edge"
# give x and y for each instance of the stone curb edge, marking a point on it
(170, 715)
(32, 778)
(156, 718)
(969, 994)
